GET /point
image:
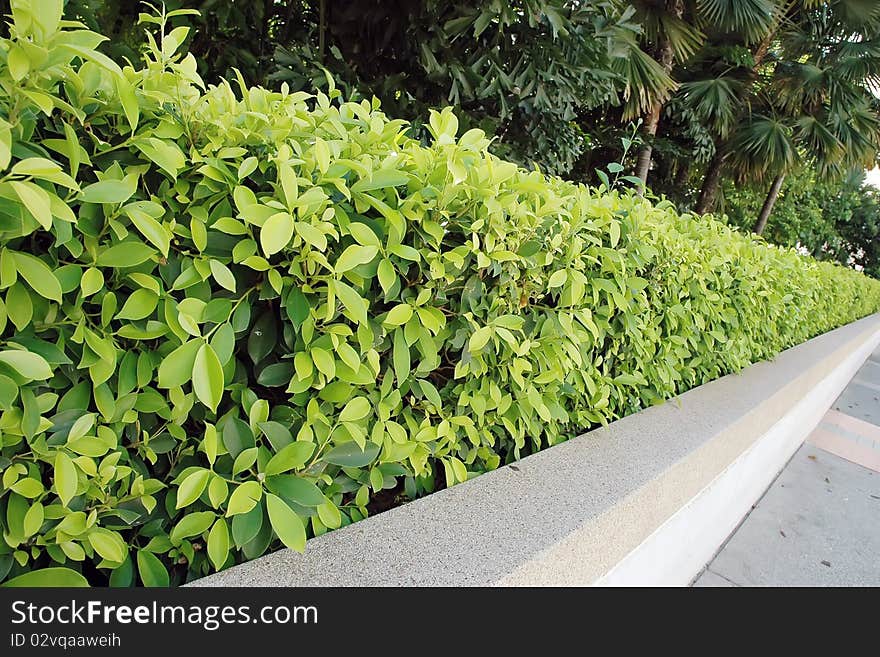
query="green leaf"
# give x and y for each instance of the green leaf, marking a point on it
(155, 232)
(293, 456)
(278, 434)
(244, 498)
(296, 489)
(30, 366)
(66, 480)
(356, 409)
(387, 275)
(297, 307)
(166, 154)
(222, 275)
(139, 305)
(245, 526)
(92, 281)
(311, 235)
(125, 254)
(33, 519)
(287, 524)
(398, 315)
(349, 455)
(353, 256)
(36, 200)
(363, 234)
(110, 191)
(401, 357)
(128, 99)
(558, 278)
(324, 361)
(48, 577)
(207, 377)
(276, 233)
(329, 515)
(218, 543)
(28, 487)
(192, 487)
(353, 302)
(262, 338)
(380, 180)
(38, 275)
(192, 524)
(480, 338)
(277, 374)
(108, 544)
(615, 233)
(152, 572)
(177, 367)
(81, 427)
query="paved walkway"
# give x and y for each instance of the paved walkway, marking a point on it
(819, 523)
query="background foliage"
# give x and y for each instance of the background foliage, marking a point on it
(837, 221)
(233, 318)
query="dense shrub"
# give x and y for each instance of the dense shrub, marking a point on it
(232, 316)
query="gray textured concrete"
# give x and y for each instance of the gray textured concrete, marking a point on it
(817, 525)
(611, 487)
(861, 398)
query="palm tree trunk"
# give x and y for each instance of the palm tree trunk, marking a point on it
(666, 57)
(709, 190)
(772, 195)
(644, 162)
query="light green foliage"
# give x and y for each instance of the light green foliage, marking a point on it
(231, 316)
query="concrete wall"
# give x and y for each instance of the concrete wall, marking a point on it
(645, 500)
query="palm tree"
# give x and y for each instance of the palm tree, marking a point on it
(759, 21)
(808, 99)
(673, 31)
(821, 88)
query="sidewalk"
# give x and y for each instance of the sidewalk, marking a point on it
(819, 523)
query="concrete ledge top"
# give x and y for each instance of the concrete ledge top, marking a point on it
(610, 487)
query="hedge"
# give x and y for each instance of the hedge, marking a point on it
(233, 318)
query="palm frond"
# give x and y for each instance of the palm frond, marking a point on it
(645, 82)
(824, 146)
(714, 101)
(753, 18)
(762, 147)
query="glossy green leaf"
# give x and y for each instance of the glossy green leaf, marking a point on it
(39, 276)
(176, 368)
(218, 543)
(287, 525)
(293, 456)
(207, 377)
(152, 572)
(192, 487)
(350, 455)
(276, 233)
(48, 577)
(29, 366)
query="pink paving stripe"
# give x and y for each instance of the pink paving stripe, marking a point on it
(854, 424)
(845, 448)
